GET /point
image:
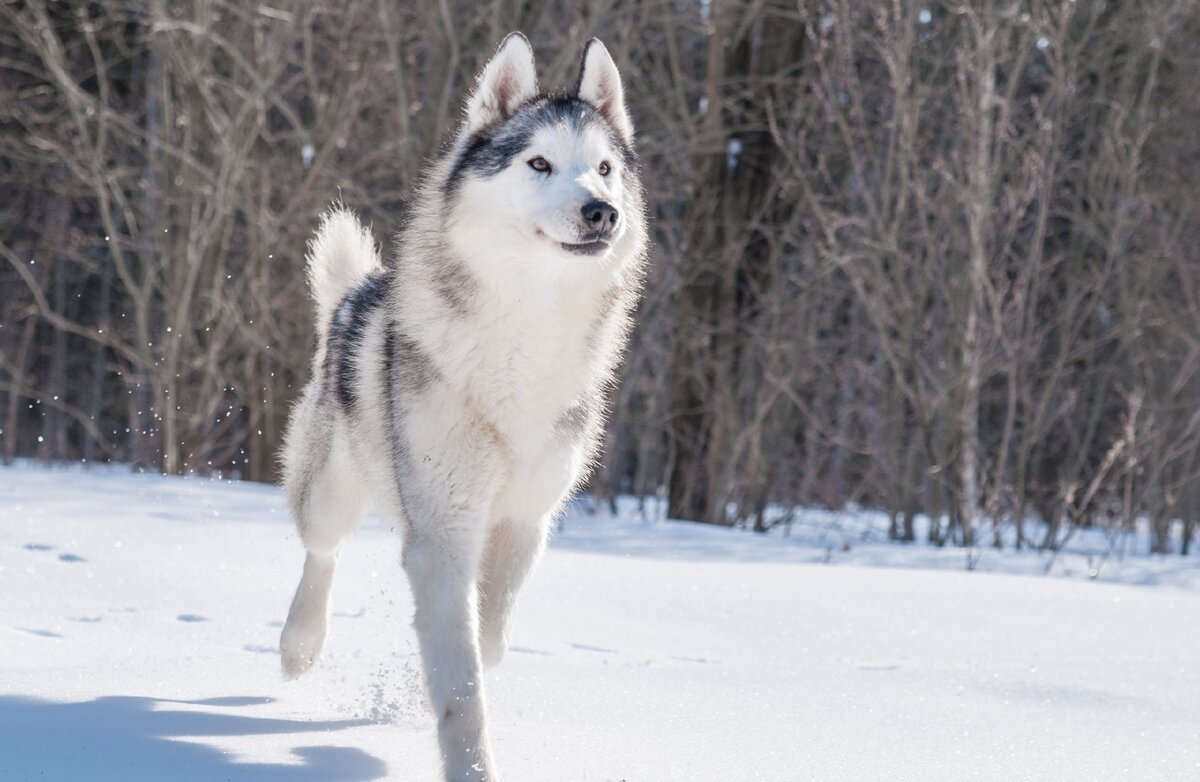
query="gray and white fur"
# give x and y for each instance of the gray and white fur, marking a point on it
(461, 389)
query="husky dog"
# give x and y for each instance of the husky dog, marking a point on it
(461, 388)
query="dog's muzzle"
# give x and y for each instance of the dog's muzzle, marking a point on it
(600, 217)
(600, 220)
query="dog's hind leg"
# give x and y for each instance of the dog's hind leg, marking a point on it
(328, 499)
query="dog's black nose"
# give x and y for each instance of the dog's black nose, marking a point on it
(600, 216)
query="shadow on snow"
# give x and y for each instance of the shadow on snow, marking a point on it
(133, 739)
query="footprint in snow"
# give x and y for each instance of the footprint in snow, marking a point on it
(527, 650)
(701, 660)
(43, 633)
(587, 648)
(260, 649)
(191, 618)
(48, 547)
(87, 619)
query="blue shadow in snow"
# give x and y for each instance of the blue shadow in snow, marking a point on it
(130, 739)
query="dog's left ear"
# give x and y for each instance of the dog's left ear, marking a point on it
(600, 85)
(508, 80)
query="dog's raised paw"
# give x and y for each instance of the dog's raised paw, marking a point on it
(295, 662)
(299, 649)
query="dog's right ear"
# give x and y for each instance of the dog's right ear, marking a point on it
(508, 80)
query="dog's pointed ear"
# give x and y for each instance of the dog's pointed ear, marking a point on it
(600, 85)
(508, 80)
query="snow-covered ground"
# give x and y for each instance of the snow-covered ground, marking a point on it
(139, 620)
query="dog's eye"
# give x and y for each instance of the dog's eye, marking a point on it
(605, 168)
(540, 164)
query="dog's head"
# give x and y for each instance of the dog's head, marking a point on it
(555, 170)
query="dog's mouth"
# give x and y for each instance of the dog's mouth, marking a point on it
(586, 248)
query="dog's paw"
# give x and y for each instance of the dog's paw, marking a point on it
(492, 646)
(299, 649)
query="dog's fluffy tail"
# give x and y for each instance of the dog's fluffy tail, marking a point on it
(340, 255)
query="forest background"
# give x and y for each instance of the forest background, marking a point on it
(940, 259)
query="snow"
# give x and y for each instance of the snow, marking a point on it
(140, 616)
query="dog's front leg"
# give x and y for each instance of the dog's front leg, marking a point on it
(442, 565)
(513, 548)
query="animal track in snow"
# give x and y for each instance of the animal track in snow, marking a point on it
(41, 547)
(527, 650)
(702, 660)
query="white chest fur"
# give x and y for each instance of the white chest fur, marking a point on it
(523, 351)
(517, 342)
